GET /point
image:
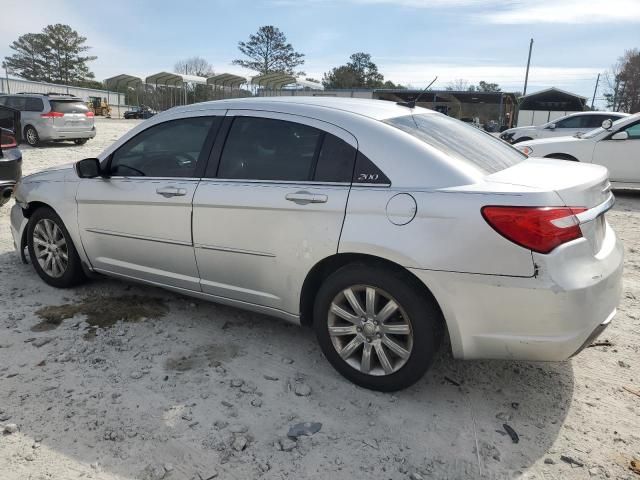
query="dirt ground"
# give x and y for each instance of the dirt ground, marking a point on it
(112, 380)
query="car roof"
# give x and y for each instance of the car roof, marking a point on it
(375, 109)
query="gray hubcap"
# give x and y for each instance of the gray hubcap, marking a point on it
(370, 330)
(50, 248)
(31, 136)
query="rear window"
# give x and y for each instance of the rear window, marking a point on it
(68, 106)
(460, 141)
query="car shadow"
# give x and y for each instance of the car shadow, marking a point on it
(151, 392)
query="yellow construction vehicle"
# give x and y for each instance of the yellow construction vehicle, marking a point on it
(99, 106)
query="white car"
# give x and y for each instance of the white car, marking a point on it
(616, 147)
(574, 124)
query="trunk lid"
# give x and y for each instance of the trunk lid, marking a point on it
(577, 185)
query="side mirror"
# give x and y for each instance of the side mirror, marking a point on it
(620, 136)
(552, 126)
(88, 168)
(606, 124)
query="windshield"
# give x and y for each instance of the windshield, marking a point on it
(459, 140)
(599, 130)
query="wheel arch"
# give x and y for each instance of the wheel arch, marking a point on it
(562, 156)
(325, 267)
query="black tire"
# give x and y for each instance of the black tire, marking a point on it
(424, 317)
(73, 274)
(562, 156)
(521, 139)
(80, 141)
(31, 136)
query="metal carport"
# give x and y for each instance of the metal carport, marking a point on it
(125, 80)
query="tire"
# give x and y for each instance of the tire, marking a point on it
(417, 314)
(522, 139)
(80, 141)
(562, 156)
(31, 136)
(45, 224)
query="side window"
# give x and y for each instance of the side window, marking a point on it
(16, 102)
(170, 149)
(34, 104)
(633, 131)
(335, 162)
(269, 149)
(571, 122)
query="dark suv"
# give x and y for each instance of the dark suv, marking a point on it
(10, 156)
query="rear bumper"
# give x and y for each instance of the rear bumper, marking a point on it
(54, 133)
(550, 316)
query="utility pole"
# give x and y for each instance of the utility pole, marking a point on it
(594, 91)
(526, 77)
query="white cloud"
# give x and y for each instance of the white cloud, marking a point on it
(568, 12)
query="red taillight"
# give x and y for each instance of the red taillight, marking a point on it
(7, 141)
(52, 115)
(540, 229)
(90, 114)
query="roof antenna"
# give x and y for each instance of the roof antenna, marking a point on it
(412, 103)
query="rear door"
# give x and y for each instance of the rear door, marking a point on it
(71, 115)
(621, 157)
(271, 207)
(137, 223)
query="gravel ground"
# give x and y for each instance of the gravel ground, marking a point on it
(131, 382)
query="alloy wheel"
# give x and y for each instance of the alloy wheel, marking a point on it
(50, 248)
(32, 136)
(370, 330)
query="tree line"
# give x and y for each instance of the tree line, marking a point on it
(58, 54)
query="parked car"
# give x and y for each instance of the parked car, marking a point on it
(380, 225)
(54, 116)
(574, 124)
(141, 112)
(10, 156)
(616, 146)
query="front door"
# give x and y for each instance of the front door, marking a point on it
(272, 207)
(137, 223)
(621, 157)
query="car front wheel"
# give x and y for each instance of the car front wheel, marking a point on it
(51, 250)
(376, 327)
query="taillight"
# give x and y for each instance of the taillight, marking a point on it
(90, 114)
(52, 115)
(540, 229)
(7, 141)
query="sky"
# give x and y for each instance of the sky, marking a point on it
(412, 41)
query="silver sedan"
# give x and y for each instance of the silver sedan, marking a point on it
(384, 227)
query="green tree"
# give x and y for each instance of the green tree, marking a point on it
(268, 51)
(57, 55)
(623, 89)
(359, 72)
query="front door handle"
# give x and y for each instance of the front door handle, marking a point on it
(168, 192)
(303, 197)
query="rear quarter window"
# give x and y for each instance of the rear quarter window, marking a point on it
(34, 104)
(460, 141)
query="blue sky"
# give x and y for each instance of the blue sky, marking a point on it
(411, 40)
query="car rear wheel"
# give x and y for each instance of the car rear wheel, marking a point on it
(375, 327)
(51, 250)
(80, 141)
(31, 136)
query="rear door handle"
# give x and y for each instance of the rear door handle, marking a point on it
(303, 197)
(168, 192)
